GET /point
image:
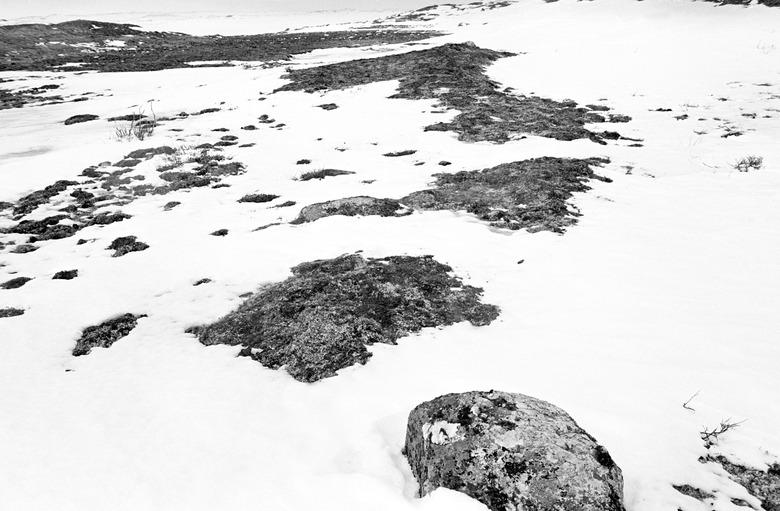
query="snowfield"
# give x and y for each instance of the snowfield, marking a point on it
(669, 284)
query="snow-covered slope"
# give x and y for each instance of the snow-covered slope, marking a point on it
(668, 286)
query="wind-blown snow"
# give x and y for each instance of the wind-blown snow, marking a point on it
(668, 285)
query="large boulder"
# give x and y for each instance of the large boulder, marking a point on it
(511, 452)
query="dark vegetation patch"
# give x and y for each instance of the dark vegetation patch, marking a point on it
(322, 318)
(328, 106)
(303, 161)
(106, 333)
(768, 3)
(170, 205)
(763, 485)
(454, 74)
(127, 117)
(66, 275)
(692, 492)
(249, 127)
(126, 244)
(76, 119)
(352, 206)
(152, 51)
(10, 312)
(529, 194)
(15, 283)
(220, 232)
(405, 152)
(24, 249)
(322, 174)
(201, 282)
(31, 96)
(285, 204)
(258, 197)
(29, 202)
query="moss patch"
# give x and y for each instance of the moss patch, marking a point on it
(152, 51)
(126, 244)
(10, 312)
(454, 74)
(529, 194)
(321, 319)
(106, 333)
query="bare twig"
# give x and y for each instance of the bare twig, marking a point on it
(710, 437)
(685, 404)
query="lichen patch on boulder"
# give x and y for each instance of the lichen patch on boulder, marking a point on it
(510, 452)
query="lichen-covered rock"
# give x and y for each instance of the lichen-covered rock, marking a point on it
(512, 453)
(106, 333)
(352, 206)
(322, 318)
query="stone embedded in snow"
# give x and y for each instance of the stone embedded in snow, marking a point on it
(510, 452)
(321, 319)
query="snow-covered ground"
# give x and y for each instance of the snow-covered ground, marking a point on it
(668, 286)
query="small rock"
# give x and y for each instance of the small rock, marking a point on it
(510, 452)
(220, 232)
(329, 106)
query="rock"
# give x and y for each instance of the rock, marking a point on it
(321, 319)
(80, 118)
(510, 452)
(352, 206)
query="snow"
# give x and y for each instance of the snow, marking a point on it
(668, 285)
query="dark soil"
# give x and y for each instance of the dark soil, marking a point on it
(321, 319)
(152, 51)
(125, 245)
(322, 174)
(529, 194)
(106, 333)
(10, 312)
(454, 74)
(15, 283)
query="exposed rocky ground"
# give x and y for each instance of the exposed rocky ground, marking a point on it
(323, 318)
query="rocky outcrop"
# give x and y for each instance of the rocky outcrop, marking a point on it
(511, 452)
(322, 318)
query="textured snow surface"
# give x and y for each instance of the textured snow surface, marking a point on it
(669, 284)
